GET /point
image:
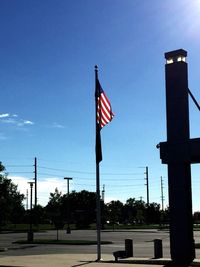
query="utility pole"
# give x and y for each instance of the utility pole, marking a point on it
(147, 183)
(35, 178)
(26, 199)
(103, 193)
(68, 213)
(68, 178)
(162, 196)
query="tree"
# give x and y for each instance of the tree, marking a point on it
(53, 210)
(11, 201)
(153, 213)
(135, 211)
(196, 217)
(114, 209)
(130, 211)
(80, 208)
(39, 215)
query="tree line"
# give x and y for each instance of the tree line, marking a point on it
(77, 208)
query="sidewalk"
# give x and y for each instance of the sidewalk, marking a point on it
(76, 260)
(61, 260)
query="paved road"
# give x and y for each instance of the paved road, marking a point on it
(143, 245)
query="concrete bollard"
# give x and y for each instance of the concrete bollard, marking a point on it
(158, 250)
(129, 247)
(30, 236)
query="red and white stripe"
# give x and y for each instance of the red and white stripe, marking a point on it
(104, 110)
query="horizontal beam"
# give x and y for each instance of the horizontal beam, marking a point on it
(188, 151)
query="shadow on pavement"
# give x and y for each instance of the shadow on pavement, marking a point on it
(81, 264)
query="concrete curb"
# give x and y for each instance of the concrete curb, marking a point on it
(146, 261)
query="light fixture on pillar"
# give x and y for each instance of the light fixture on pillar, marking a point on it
(176, 57)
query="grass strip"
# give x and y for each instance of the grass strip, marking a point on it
(197, 245)
(62, 242)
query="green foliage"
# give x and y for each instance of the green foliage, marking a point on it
(114, 212)
(11, 207)
(64, 242)
(79, 208)
(53, 209)
(25, 227)
(153, 214)
(39, 215)
(196, 217)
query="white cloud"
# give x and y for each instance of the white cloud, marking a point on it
(44, 187)
(4, 115)
(28, 122)
(110, 198)
(21, 182)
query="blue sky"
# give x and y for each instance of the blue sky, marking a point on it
(48, 52)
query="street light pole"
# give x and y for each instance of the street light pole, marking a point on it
(147, 184)
(35, 171)
(68, 213)
(30, 233)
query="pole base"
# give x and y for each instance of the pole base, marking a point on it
(30, 237)
(68, 231)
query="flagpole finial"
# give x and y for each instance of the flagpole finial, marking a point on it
(96, 71)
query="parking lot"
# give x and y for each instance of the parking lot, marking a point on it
(31, 255)
(143, 245)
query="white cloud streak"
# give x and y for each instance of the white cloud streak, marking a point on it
(57, 125)
(13, 119)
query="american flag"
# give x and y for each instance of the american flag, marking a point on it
(103, 116)
(104, 110)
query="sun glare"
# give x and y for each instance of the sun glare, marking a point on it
(192, 18)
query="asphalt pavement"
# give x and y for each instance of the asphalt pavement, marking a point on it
(142, 242)
(61, 260)
(29, 255)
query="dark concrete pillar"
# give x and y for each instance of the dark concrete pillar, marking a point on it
(179, 173)
(181, 225)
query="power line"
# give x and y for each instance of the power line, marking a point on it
(19, 166)
(49, 174)
(73, 171)
(127, 185)
(83, 172)
(20, 172)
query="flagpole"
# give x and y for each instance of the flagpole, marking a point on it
(98, 203)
